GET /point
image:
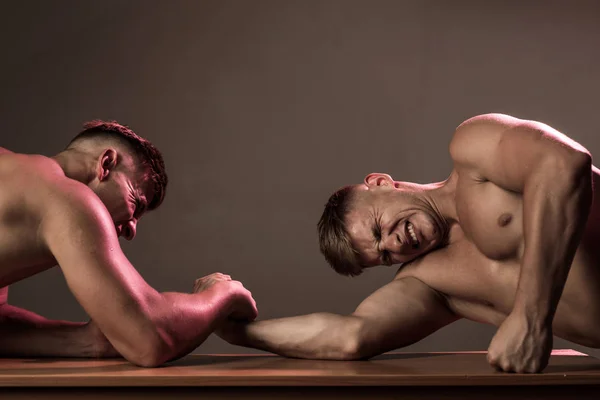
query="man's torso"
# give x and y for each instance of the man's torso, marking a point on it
(478, 271)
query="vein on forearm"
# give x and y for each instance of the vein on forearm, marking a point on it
(557, 200)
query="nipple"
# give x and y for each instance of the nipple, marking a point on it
(504, 219)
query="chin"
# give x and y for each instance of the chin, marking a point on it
(431, 246)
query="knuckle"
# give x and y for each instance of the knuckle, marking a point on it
(533, 368)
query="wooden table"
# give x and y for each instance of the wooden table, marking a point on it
(466, 375)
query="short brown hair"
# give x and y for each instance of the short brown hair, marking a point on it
(334, 240)
(148, 155)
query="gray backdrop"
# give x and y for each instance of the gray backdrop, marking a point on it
(263, 108)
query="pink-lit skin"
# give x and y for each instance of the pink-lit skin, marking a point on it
(71, 210)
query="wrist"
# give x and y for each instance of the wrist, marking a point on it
(535, 318)
(234, 296)
(233, 332)
(222, 297)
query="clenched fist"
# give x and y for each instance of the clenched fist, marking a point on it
(520, 346)
(202, 284)
(243, 305)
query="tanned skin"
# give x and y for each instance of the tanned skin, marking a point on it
(69, 210)
(509, 239)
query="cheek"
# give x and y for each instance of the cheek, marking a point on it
(426, 225)
(117, 204)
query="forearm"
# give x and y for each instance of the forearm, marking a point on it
(186, 320)
(26, 334)
(557, 200)
(314, 336)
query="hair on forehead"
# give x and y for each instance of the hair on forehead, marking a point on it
(334, 240)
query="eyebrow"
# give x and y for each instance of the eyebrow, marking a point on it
(142, 203)
(383, 256)
(376, 230)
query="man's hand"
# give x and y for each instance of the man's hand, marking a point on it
(233, 332)
(244, 308)
(520, 346)
(204, 283)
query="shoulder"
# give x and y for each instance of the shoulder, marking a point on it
(37, 181)
(73, 219)
(57, 199)
(69, 200)
(488, 120)
(28, 165)
(479, 136)
(428, 268)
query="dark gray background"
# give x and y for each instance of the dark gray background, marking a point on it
(263, 108)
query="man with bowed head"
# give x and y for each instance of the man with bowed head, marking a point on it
(69, 210)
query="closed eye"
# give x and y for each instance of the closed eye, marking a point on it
(377, 234)
(140, 208)
(377, 230)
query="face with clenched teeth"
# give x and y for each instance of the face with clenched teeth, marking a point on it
(389, 223)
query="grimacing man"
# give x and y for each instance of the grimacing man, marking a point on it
(510, 238)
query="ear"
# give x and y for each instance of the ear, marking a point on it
(107, 163)
(378, 179)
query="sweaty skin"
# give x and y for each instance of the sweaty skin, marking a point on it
(509, 239)
(49, 219)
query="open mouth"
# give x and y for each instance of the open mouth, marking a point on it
(414, 240)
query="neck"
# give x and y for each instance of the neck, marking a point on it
(441, 198)
(76, 165)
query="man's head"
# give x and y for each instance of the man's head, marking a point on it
(378, 222)
(127, 172)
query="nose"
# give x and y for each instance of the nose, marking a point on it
(128, 229)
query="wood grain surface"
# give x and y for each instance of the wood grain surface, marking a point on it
(414, 375)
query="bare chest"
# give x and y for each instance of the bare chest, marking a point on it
(491, 218)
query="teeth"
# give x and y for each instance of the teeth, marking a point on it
(411, 231)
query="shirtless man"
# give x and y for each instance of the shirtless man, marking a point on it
(69, 210)
(493, 243)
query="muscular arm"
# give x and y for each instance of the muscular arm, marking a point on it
(553, 174)
(146, 327)
(399, 314)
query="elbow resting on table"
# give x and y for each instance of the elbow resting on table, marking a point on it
(148, 353)
(356, 344)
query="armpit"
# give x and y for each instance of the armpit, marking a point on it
(475, 311)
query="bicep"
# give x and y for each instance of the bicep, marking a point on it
(506, 150)
(401, 313)
(83, 241)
